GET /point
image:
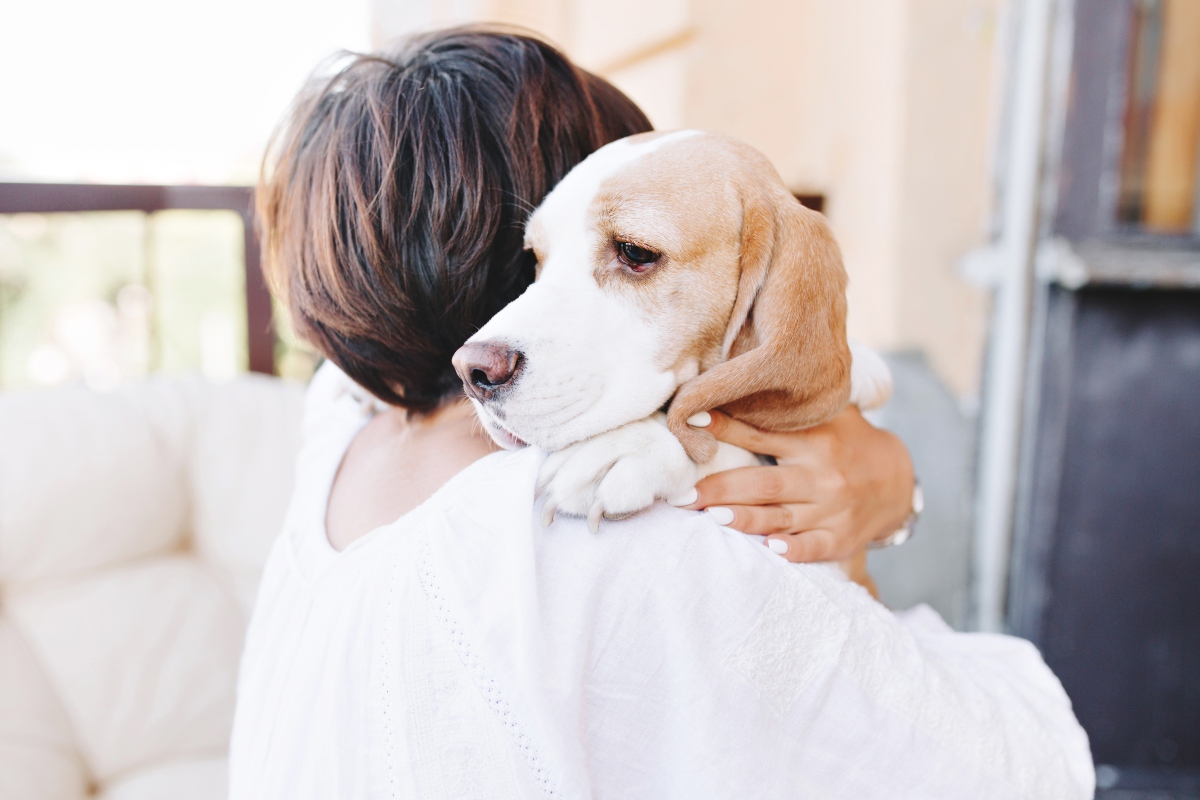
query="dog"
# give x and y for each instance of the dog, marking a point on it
(675, 274)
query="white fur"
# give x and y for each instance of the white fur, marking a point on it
(578, 379)
(625, 470)
(870, 378)
(589, 390)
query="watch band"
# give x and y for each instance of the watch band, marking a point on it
(905, 531)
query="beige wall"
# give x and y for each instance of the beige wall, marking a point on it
(944, 188)
(819, 90)
(882, 105)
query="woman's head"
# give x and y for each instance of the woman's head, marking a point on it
(393, 200)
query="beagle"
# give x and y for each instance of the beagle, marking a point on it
(675, 271)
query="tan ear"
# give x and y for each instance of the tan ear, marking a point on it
(788, 361)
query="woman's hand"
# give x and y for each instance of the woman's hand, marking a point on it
(837, 487)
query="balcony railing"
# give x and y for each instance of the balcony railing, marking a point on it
(51, 198)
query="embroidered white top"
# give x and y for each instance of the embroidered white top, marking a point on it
(465, 651)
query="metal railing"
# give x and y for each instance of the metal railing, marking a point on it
(54, 198)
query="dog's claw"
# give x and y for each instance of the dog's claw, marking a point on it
(548, 513)
(593, 519)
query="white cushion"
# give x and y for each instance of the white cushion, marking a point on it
(182, 780)
(38, 756)
(133, 527)
(246, 443)
(88, 480)
(143, 657)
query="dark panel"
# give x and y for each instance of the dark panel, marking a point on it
(814, 201)
(1120, 623)
(1160, 783)
(1041, 459)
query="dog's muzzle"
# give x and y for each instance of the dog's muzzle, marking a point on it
(487, 367)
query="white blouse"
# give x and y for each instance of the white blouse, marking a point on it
(464, 651)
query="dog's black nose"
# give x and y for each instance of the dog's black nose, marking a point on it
(485, 367)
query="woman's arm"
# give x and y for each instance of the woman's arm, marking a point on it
(837, 487)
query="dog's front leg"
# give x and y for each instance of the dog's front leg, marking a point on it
(617, 473)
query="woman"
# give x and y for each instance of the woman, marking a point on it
(412, 637)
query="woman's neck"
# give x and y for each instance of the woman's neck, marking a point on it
(396, 462)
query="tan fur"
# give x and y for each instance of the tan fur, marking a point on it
(751, 287)
(745, 306)
(690, 294)
(788, 363)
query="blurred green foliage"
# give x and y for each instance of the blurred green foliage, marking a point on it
(103, 297)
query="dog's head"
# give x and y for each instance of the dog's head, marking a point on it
(668, 265)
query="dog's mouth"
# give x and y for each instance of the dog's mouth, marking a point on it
(500, 434)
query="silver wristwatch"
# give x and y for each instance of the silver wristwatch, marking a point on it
(905, 531)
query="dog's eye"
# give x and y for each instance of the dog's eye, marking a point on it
(638, 259)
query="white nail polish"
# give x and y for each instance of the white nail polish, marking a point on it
(701, 420)
(777, 546)
(721, 515)
(685, 498)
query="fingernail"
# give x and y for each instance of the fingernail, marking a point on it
(721, 515)
(701, 420)
(777, 546)
(685, 498)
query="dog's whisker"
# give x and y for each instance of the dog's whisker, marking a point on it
(477, 426)
(546, 415)
(573, 417)
(567, 390)
(546, 421)
(563, 404)
(536, 403)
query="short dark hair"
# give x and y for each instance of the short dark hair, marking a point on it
(394, 195)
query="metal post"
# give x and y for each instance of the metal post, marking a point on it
(1003, 384)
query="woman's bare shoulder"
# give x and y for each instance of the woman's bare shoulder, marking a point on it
(394, 465)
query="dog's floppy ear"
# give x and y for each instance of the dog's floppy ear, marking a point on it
(787, 361)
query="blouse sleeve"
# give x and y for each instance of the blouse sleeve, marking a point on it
(1002, 682)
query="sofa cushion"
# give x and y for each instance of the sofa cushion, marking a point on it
(133, 529)
(88, 480)
(143, 658)
(241, 467)
(181, 780)
(38, 756)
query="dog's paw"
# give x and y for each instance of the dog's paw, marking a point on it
(870, 378)
(616, 474)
